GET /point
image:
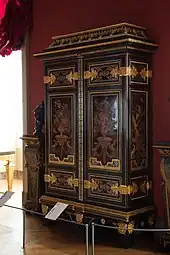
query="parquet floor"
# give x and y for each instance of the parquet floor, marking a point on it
(46, 238)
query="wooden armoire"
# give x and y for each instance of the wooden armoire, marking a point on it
(98, 125)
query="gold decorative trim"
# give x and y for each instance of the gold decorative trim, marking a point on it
(90, 185)
(50, 79)
(90, 75)
(131, 71)
(97, 209)
(28, 140)
(95, 45)
(124, 228)
(73, 76)
(73, 182)
(50, 178)
(124, 190)
(44, 209)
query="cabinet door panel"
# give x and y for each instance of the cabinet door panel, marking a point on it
(61, 126)
(61, 129)
(104, 130)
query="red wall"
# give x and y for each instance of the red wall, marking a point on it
(59, 17)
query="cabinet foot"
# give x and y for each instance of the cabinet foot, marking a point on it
(126, 234)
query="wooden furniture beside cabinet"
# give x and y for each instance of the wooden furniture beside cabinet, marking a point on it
(34, 159)
(98, 122)
(164, 150)
(7, 157)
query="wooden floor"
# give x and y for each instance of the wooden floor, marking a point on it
(46, 238)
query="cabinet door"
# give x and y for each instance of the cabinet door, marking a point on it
(103, 132)
(61, 129)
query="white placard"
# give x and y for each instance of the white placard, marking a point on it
(7, 195)
(56, 211)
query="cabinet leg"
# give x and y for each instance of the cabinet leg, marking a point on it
(126, 234)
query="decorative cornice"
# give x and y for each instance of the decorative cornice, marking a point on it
(122, 29)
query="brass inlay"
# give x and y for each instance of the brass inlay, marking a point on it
(124, 190)
(113, 165)
(98, 29)
(50, 79)
(69, 160)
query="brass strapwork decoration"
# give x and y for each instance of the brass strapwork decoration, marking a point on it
(90, 74)
(73, 182)
(50, 178)
(90, 185)
(79, 218)
(44, 209)
(50, 79)
(73, 76)
(125, 190)
(130, 71)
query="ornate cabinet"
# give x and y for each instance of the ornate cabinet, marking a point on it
(98, 124)
(164, 150)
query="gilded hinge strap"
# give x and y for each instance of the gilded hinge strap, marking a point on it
(73, 182)
(90, 185)
(123, 189)
(87, 75)
(131, 71)
(50, 79)
(50, 178)
(73, 76)
(90, 74)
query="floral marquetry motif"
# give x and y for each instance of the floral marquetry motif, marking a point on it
(62, 130)
(104, 150)
(139, 127)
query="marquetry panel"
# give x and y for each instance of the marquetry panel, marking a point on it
(139, 130)
(61, 129)
(61, 77)
(106, 72)
(104, 125)
(140, 72)
(61, 181)
(102, 188)
(141, 187)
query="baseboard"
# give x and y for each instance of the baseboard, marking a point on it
(18, 174)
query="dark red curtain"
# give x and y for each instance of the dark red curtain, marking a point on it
(15, 21)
